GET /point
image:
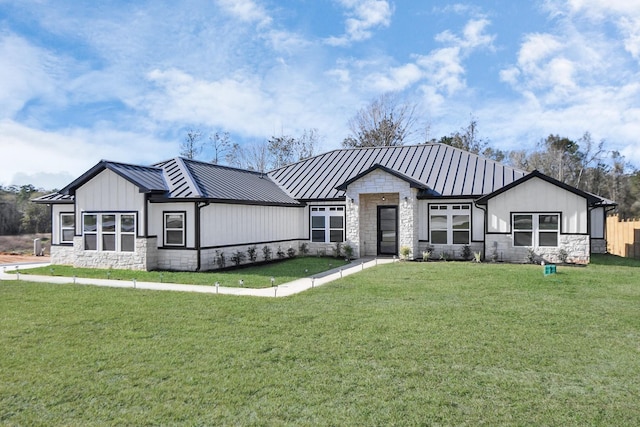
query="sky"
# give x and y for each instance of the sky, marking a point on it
(82, 81)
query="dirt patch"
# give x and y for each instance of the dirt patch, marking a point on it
(19, 259)
(22, 244)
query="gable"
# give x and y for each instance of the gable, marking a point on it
(537, 195)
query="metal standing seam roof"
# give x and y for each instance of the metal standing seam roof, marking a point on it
(147, 179)
(446, 171)
(195, 179)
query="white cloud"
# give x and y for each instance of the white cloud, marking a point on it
(26, 72)
(363, 17)
(28, 152)
(246, 10)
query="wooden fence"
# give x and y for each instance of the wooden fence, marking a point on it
(623, 237)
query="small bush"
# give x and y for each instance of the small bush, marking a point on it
(494, 254)
(466, 252)
(405, 252)
(444, 256)
(426, 255)
(563, 255)
(291, 252)
(252, 252)
(304, 249)
(238, 257)
(280, 253)
(266, 252)
(348, 251)
(477, 257)
(221, 261)
(337, 250)
(531, 257)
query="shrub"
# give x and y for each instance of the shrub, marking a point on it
(466, 252)
(220, 259)
(531, 257)
(477, 257)
(252, 251)
(405, 252)
(238, 257)
(494, 254)
(304, 249)
(291, 252)
(444, 256)
(266, 252)
(563, 255)
(348, 251)
(337, 250)
(426, 255)
(280, 253)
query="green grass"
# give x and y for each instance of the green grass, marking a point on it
(253, 277)
(400, 344)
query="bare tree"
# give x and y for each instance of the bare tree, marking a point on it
(191, 147)
(384, 122)
(256, 156)
(220, 142)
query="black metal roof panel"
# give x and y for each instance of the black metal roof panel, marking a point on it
(54, 198)
(147, 179)
(230, 184)
(446, 171)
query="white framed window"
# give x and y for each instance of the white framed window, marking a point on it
(327, 224)
(174, 229)
(535, 229)
(450, 224)
(109, 232)
(67, 227)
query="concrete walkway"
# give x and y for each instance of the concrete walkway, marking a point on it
(282, 290)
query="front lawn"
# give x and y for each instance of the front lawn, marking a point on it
(400, 344)
(258, 276)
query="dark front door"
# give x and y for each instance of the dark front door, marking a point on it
(387, 230)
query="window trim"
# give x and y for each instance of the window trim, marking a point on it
(117, 234)
(326, 211)
(535, 229)
(67, 228)
(183, 243)
(449, 210)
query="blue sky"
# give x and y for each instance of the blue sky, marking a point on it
(119, 80)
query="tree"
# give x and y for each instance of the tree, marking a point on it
(383, 123)
(191, 147)
(281, 150)
(221, 144)
(467, 139)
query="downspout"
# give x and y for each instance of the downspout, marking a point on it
(486, 227)
(199, 206)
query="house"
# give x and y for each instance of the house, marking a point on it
(184, 214)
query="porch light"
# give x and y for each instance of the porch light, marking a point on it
(383, 198)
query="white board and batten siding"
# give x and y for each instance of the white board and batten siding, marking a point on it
(56, 210)
(537, 195)
(231, 224)
(156, 220)
(109, 192)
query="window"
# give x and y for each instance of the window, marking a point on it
(111, 232)
(67, 227)
(450, 224)
(327, 224)
(535, 229)
(174, 229)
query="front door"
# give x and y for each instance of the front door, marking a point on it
(387, 230)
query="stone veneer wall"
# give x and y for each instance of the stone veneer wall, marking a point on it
(576, 245)
(450, 252)
(186, 259)
(144, 256)
(361, 213)
(62, 255)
